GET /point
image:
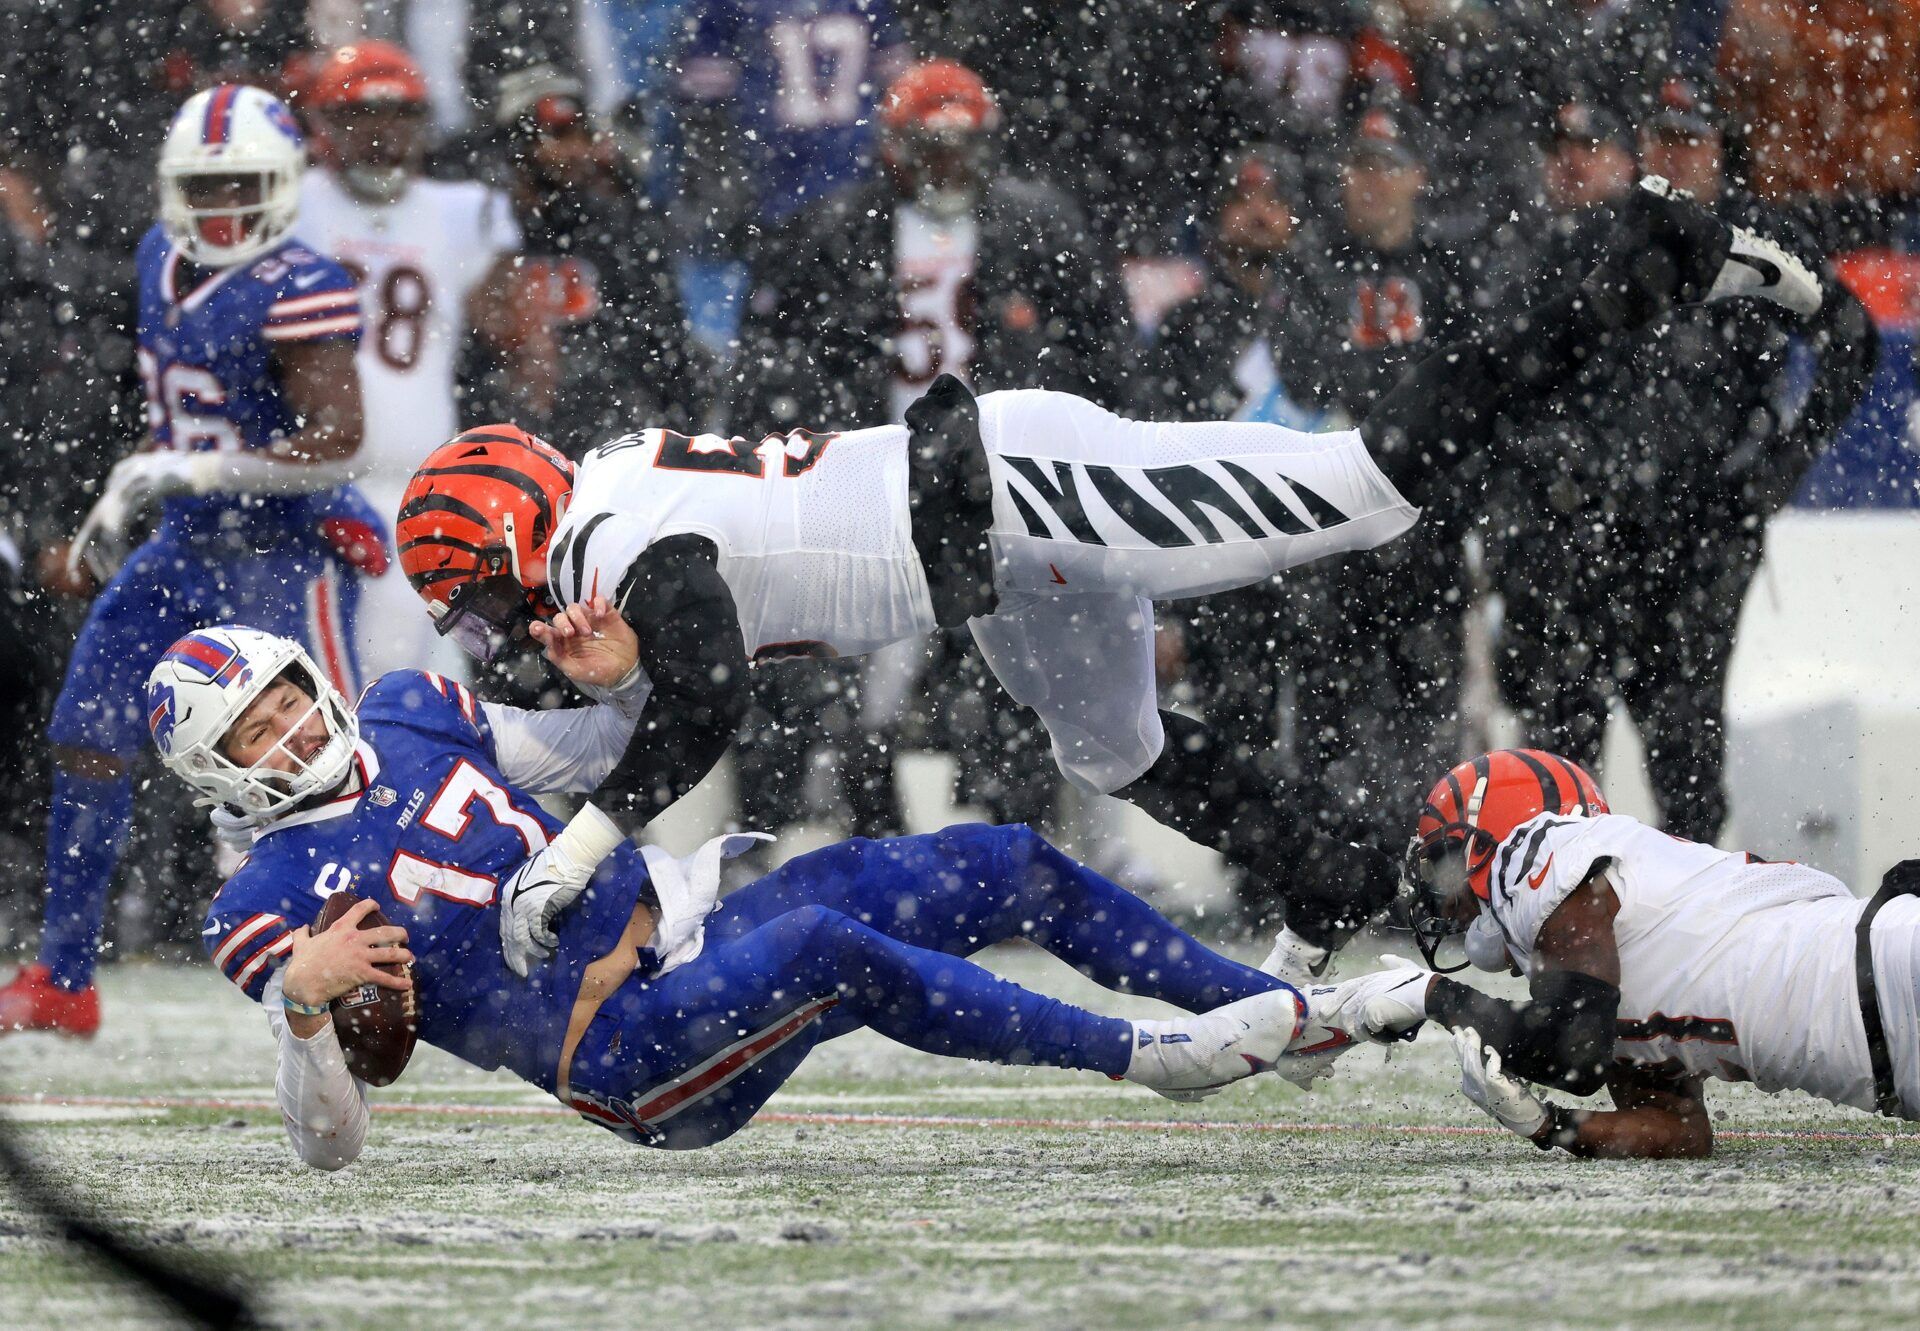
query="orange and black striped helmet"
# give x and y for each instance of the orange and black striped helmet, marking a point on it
(1468, 813)
(473, 531)
(1483, 799)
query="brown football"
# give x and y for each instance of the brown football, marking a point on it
(377, 1027)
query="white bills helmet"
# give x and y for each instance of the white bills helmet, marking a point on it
(231, 130)
(203, 684)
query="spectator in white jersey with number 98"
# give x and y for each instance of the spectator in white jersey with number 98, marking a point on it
(431, 257)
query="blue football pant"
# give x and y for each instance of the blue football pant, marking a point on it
(169, 587)
(874, 934)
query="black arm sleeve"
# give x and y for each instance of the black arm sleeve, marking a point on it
(1562, 1037)
(690, 647)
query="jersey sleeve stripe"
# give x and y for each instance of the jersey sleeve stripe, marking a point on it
(346, 309)
(312, 328)
(247, 928)
(240, 965)
(256, 970)
(325, 300)
(580, 555)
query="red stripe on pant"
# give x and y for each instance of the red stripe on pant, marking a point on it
(729, 1064)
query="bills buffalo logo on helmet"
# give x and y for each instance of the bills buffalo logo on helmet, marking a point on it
(160, 717)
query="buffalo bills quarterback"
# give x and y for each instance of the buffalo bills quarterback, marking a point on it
(616, 981)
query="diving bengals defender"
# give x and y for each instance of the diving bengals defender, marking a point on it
(1728, 966)
(1049, 526)
(424, 253)
(1046, 523)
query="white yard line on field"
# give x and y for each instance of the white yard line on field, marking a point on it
(821, 1119)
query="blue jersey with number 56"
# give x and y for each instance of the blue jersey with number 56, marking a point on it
(206, 347)
(429, 830)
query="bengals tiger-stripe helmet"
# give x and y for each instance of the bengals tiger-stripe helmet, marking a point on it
(1468, 813)
(473, 531)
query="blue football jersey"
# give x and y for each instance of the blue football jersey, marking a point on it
(206, 340)
(804, 77)
(430, 832)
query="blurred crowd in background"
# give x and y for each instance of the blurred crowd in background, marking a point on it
(756, 215)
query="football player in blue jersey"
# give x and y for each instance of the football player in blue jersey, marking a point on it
(783, 93)
(246, 346)
(619, 982)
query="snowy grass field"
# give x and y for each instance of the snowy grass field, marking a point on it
(889, 1189)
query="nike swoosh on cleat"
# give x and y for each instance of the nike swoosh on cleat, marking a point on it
(1769, 271)
(1257, 1064)
(1334, 1040)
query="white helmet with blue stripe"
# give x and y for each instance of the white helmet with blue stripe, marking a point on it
(205, 682)
(230, 133)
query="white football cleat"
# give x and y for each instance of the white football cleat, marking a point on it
(1385, 1005)
(1191, 1058)
(1321, 1041)
(1295, 960)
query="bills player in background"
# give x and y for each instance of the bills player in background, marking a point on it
(432, 260)
(246, 346)
(1654, 963)
(776, 104)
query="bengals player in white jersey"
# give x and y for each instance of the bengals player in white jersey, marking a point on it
(1045, 523)
(432, 259)
(1654, 964)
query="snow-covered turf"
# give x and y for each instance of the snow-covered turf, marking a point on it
(894, 1190)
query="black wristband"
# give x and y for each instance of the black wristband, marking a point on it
(1559, 1129)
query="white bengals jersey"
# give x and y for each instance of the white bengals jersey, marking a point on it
(418, 261)
(1094, 518)
(812, 530)
(1730, 967)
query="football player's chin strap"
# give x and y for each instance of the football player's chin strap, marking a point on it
(1202, 788)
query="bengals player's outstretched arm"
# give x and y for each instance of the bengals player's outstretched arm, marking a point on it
(691, 648)
(1659, 1116)
(1563, 1036)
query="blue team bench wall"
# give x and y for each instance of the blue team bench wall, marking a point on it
(1874, 462)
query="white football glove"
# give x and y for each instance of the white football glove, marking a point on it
(548, 883)
(1507, 1099)
(134, 484)
(1384, 1005)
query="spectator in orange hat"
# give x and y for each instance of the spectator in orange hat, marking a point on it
(943, 262)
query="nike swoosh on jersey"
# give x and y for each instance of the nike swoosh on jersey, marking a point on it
(1535, 879)
(308, 280)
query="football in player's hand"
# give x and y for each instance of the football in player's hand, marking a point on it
(377, 1027)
